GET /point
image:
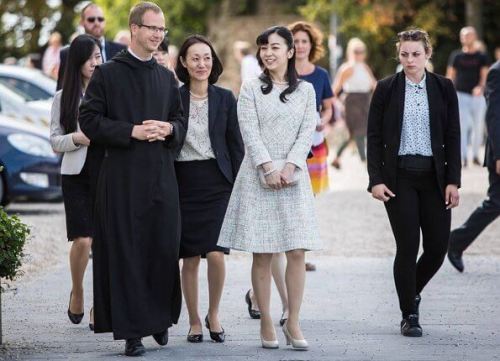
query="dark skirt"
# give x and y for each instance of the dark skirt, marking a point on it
(204, 194)
(78, 203)
(357, 106)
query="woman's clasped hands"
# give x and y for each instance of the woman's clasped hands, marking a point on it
(278, 179)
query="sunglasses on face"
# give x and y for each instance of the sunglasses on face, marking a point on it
(92, 19)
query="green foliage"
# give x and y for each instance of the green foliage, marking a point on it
(181, 17)
(13, 236)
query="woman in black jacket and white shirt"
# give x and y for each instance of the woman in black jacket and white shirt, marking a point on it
(414, 167)
(67, 138)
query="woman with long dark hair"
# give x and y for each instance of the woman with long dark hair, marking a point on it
(206, 168)
(271, 208)
(414, 167)
(67, 138)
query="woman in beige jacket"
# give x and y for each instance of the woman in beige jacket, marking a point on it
(67, 138)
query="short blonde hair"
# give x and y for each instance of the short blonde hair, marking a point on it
(138, 11)
(352, 45)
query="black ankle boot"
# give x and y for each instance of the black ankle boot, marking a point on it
(161, 338)
(410, 326)
(418, 298)
(134, 347)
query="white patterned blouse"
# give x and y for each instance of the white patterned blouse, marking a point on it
(263, 220)
(197, 145)
(416, 131)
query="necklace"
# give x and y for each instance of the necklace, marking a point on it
(280, 82)
(198, 96)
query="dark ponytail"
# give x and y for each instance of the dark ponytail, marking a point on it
(291, 75)
(80, 50)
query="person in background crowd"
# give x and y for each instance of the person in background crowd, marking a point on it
(356, 80)
(249, 66)
(77, 178)
(497, 53)
(467, 68)
(93, 22)
(414, 167)
(51, 56)
(272, 194)
(161, 55)
(132, 107)
(486, 213)
(122, 37)
(206, 168)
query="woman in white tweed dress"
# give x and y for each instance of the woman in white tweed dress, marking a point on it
(277, 117)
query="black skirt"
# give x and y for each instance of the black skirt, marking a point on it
(204, 194)
(78, 203)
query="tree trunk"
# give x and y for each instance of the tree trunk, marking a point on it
(473, 15)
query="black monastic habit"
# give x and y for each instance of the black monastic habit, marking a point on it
(137, 222)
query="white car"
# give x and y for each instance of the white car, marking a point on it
(35, 112)
(31, 84)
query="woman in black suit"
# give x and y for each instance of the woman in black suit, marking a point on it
(414, 167)
(206, 168)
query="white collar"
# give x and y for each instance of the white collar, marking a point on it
(138, 57)
(420, 85)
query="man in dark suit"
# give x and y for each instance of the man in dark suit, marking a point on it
(462, 237)
(93, 21)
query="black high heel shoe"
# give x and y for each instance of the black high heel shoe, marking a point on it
(76, 318)
(216, 336)
(253, 313)
(194, 338)
(91, 321)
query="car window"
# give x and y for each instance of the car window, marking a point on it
(25, 89)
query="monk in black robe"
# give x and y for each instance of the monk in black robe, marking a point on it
(132, 108)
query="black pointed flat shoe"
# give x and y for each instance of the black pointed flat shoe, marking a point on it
(194, 338)
(215, 336)
(253, 313)
(91, 321)
(134, 347)
(456, 260)
(161, 338)
(76, 318)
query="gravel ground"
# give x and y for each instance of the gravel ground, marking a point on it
(352, 316)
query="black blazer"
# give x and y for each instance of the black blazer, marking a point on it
(492, 94)
(110, 47)
(223, 128)
(385, 121)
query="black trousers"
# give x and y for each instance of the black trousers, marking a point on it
(487, 212)
(418, 206)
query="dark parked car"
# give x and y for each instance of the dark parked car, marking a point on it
(30, 166)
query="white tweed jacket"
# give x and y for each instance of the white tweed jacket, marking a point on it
(264, 220)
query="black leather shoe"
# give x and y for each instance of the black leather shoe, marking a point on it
(418, 298)
(134, 347)
(194, 338)
(161, 338)
(76, 318)
(253, 313)
(456, 260)
(216, 336)
(410, 326)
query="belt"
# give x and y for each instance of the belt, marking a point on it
(416, 162)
